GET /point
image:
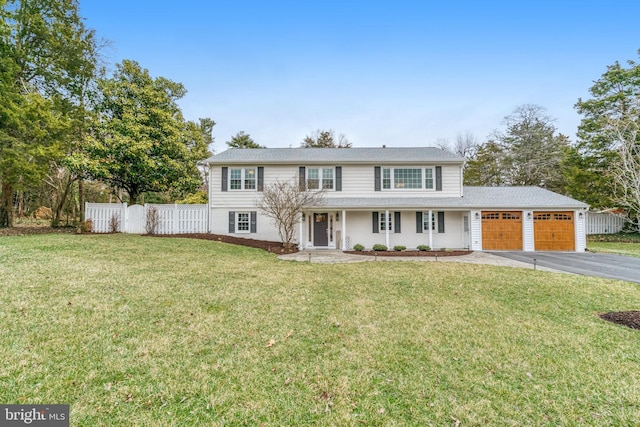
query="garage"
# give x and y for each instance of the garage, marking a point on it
(554, 231)
(502, 230)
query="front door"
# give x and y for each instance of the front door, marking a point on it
(320, 229)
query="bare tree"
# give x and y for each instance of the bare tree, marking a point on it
(464, 146)
(624, 133)
(284, 202)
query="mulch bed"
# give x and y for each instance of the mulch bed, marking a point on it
(409, 253)
(275, 247)
(625, 318)
(25, 230)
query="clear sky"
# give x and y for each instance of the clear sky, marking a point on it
(400, 73)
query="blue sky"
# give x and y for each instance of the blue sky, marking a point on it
(400, 73)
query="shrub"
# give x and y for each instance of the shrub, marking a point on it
(399, 248)
(114, 223)
(85, 226)
(153, 221)
(424, 248)
(358, 247)
(379, 247)
(443, 249)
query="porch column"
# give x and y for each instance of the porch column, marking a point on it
(300, 240)
(386, 227)
(429, 224)
(343, 244)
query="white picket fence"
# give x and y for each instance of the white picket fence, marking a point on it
(604, 223)
(172, 219)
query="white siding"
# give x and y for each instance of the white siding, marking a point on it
(581, 230)
(476, 230)
(360, 230)
(264, 226)
(358, 181)
(528, 241)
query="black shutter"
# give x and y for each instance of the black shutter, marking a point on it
(301, 178)
(225, 176)
(376, 177)
(419, 222)
(253, 222)
(440, 222)
(396, 225)
(232, 222)
(260, 178)
(338, 178)
(438, 178)
(376, 224)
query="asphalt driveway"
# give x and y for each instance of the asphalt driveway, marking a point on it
(587, 263)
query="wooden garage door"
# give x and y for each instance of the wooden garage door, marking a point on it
(502, 231)
(553, 231)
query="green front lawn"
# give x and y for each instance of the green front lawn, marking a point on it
(622, 244)
(144, 331)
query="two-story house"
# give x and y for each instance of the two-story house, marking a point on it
(394, 196)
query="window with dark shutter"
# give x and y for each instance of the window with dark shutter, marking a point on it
(438, 178)
(396, 226)
(419, 224)
(376, 178)
(338, 178)
(376, 225)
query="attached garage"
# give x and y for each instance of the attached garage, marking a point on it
(502, 230)
(554, 231)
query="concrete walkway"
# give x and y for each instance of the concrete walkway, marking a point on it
(336, 256)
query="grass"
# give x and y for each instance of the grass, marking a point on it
(623, 244)
(144, 331)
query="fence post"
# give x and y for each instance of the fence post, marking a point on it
(124, 219)
(176, 222)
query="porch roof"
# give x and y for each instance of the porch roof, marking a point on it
(474, 198)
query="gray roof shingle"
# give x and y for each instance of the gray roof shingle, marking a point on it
(333, 155)
(474, 198)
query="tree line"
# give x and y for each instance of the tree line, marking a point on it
(601, 168)
(70, 131)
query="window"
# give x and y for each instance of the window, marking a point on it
(317, 177)
(386, 223)
(428, 178)
(386, 178)
(408, 178)
(436, 222)
(242, 222)
(327, 179)
(425, 222)
(242, 179)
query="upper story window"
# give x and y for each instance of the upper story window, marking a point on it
(408, 178)
(320, 178)
(242, 178)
